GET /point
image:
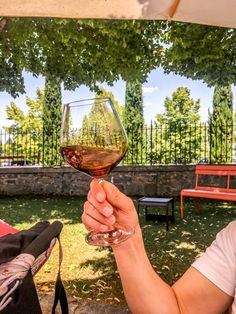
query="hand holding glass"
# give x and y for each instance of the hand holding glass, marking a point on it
(93, 140)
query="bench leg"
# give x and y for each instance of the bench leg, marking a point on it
(181, 206)
(173, 211)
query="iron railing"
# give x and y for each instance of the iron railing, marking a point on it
(156, 144)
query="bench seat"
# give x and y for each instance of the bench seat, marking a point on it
(220, 193)
(209, 194)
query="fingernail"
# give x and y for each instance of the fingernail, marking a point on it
(100, 197)
(107, 211)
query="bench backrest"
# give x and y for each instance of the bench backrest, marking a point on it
(215, 170)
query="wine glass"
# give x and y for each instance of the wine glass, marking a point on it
(93, 140)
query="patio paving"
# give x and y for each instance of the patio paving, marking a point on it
(78, 307)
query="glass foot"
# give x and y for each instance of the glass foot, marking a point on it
(110, 238)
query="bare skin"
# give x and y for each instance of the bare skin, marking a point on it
(145, 291)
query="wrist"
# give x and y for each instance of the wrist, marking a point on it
(131, 254)
(134, 242)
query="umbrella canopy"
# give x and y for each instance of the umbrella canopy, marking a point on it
(210, 12)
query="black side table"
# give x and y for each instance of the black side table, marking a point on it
(158, 202)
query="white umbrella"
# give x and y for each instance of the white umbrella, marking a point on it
(210, 12)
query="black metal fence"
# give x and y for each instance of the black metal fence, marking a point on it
(156, 144)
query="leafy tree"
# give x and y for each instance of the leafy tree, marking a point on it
(52, 111)
(133, 118)
(77, 51)
(177, 138)
(221, 125)
(26, 129)
(39, 129)
(32, 120)
(200, 52)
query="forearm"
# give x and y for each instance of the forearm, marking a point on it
(145, 291)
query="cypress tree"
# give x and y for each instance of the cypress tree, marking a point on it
(221, 125)
(52, 120)
(133, 119)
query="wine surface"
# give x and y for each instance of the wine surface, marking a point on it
(97, 162)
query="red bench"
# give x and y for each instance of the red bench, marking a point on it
(220, 193)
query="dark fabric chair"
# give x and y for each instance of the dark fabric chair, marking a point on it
(22, 254)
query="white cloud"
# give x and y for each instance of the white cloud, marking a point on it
(149, 90)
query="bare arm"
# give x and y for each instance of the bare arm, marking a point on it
(145, 291)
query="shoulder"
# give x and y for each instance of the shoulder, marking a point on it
(231, 226)
(228, 235)
(219, 260)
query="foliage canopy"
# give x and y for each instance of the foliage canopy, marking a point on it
(77, 51)
(91, 51)
(200, 52)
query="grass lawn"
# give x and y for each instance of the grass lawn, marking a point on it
(89, 273)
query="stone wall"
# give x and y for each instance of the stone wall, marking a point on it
(142, 180)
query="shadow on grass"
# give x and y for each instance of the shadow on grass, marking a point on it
(29, 209)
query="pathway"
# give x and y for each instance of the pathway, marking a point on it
(77, 307)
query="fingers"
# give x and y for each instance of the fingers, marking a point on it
(93, 219)
(116, 198)
(106, 207)
(97, 198)
(105, 197)
(92, 224)
(97, 189)
(103, 207)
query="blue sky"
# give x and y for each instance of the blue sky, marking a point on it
(155, 90)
